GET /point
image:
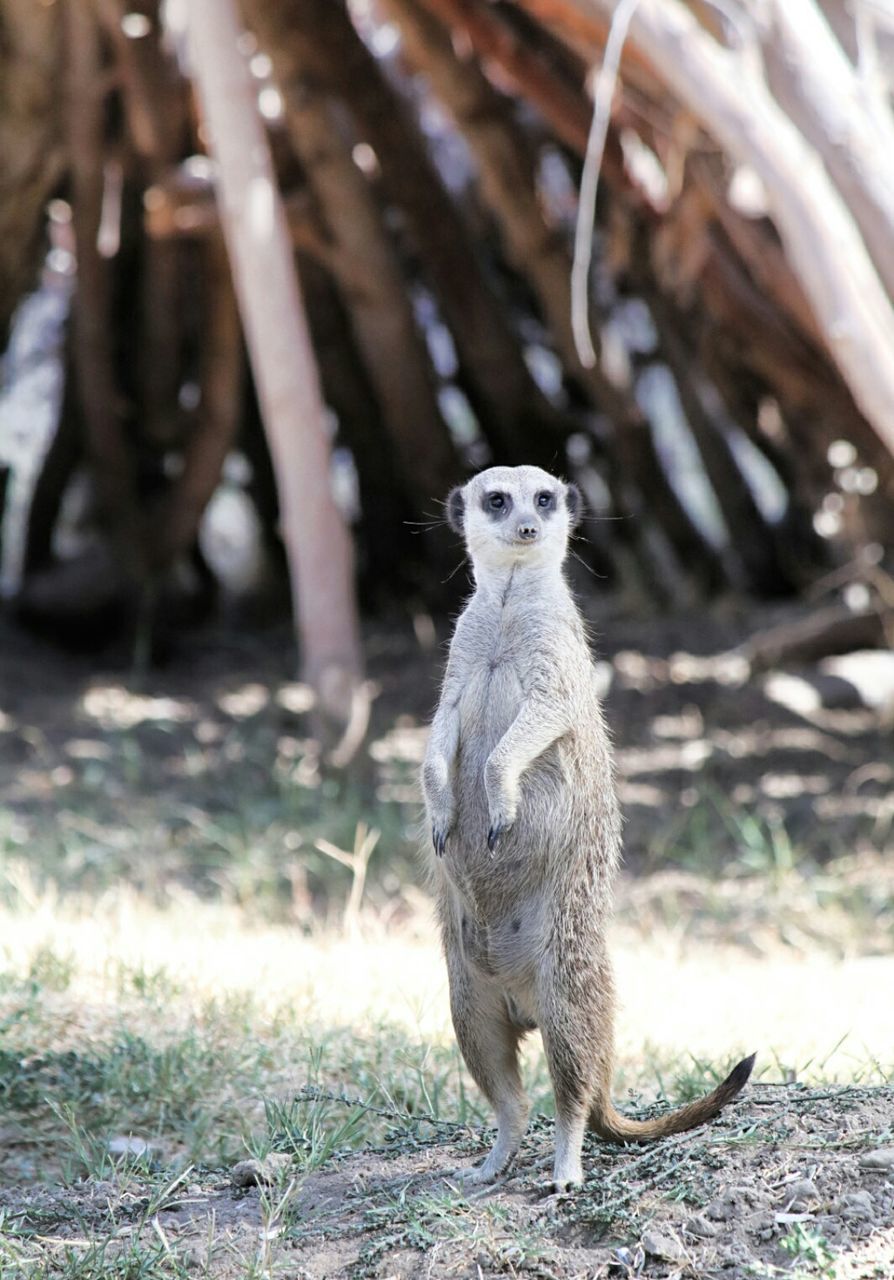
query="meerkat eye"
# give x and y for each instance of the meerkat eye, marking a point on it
(545, 499)
(496, 501)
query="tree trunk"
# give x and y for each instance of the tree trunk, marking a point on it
(92, 350)
(820, 237)
(214, 433)
(30, 141)
(515, 416)
(65, 452)
(317, 542)
(365, 265)
(389, 557)
(817, 87)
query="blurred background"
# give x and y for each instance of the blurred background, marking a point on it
(227, 581)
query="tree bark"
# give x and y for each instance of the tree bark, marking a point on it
(365, 266)
(817, 87)
(92, 352)
(316, 539)
(390, 559)
(820, 237)
(214, 432)
(30, 142)
(514, 415)
(65, 452)
(508, 182)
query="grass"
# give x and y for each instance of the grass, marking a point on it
(178, 992)
(186, 1009)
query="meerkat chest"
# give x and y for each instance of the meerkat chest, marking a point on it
(493, 684)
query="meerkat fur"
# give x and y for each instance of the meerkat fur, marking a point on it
(526, 830)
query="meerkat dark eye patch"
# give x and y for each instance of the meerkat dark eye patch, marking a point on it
(546, 501)
(497, 504)
(456, 507)
(575, 504)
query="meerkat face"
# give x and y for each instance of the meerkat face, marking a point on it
(514, 515)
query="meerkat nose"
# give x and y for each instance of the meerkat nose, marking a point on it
(528, 532)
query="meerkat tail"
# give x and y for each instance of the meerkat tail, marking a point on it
(613, 1127)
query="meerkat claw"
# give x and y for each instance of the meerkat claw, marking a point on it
(439, 840)
(494, 836)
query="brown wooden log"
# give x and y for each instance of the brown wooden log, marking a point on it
(513, 413)
(365, 265)
(391, 560)
(180, 205)
(177, 520)
(92, 352)
(31, 142)
(56, 471)
(316, 539)
(154, 93)
(821, 241)
(830, 630)
(155, 99)
(506, 167)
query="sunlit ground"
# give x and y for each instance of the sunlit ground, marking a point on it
(811, 1012)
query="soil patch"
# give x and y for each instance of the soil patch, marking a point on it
(789, 1181)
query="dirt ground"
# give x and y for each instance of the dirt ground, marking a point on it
(789, 1181)
(721, 768)
(806, 746)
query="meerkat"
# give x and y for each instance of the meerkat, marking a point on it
(526, 830)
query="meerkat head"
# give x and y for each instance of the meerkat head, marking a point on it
(514, 516)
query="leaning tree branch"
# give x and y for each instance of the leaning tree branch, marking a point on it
(818, 87)
(316, 538)
(821, 239)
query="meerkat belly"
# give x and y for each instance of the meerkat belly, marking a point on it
(504, 947)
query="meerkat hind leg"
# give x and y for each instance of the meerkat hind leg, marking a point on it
(489, 1042)
(574, 1069)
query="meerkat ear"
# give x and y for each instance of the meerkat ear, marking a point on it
(456, 506)
(575, 503)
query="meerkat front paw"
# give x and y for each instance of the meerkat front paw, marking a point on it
(441, 825)
(502, 804)
(439, 839)
(495, 835)
(439, 798)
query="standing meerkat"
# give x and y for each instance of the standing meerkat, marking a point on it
(526, 829)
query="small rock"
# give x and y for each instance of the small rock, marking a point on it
(129, 1146)
(801, 1191)
(661, 1244)
(881, 1160)
(630, 1259)
(736, 1255)
(856, 1205)
(253, 1173)
(763, 1224)
(700, 1226)
(720, 1210)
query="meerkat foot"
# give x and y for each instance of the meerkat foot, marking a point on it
(568, 1170)
(566, 1179)
(479, 1175)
